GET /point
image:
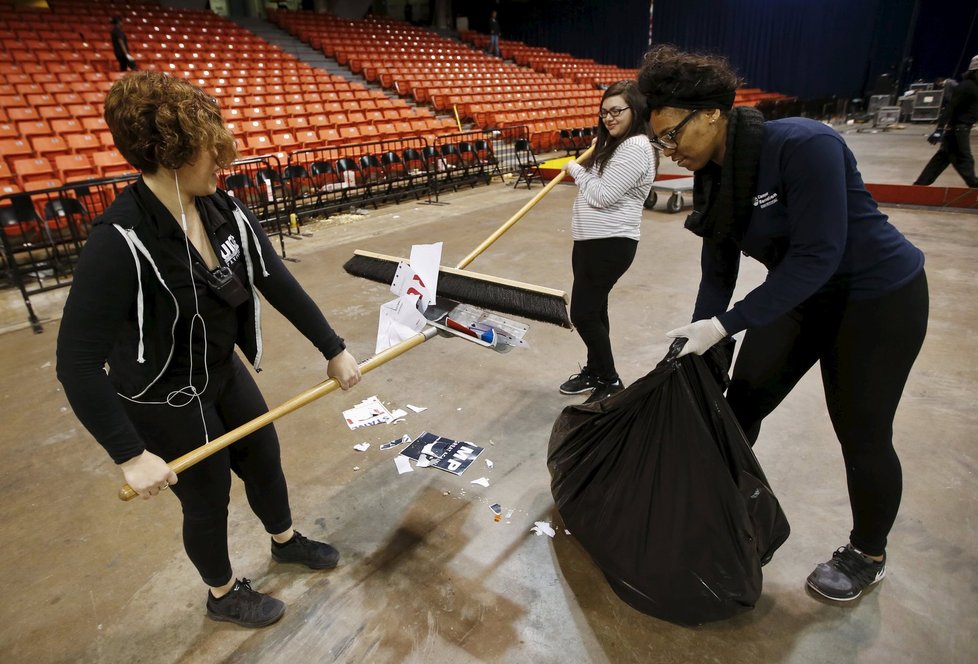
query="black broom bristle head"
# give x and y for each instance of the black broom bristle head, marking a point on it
(503, 298)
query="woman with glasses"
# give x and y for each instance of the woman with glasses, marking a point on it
(605, 221)
(844, 288)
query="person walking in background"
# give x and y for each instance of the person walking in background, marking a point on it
(166, 286)
(605, 224)
(844, 287)
(494, 34)
(954, 132)
(120, 45)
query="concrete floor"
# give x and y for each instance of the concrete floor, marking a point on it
(426, 574)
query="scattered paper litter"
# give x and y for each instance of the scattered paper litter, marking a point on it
(489, 464)
(496, 508)
(397, 413)
(394, 443)
(542, 528)
(452, 456)
(403, 464)
(361, 447)
(482, 481)
(367, 413)
(356, 468)
(509, 514)
(417, 409)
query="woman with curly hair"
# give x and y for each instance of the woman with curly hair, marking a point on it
(844, 288)
(605, 224)
(166, 286)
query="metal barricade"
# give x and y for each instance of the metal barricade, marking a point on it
(44, 231)
(258, 182)
(331, 179)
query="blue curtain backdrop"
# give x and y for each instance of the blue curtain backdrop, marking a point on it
(612, 32)
(805, 48)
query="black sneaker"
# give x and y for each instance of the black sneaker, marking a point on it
(299, 549)
(244, 606)
(579, 382)
(847, 575)
(604, 389)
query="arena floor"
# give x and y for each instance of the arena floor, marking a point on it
(427, 575)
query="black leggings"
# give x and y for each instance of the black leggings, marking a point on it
(955, 150)
(231, 399)
(598, 264)
(865, 350)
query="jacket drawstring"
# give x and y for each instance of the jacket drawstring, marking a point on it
(136, 244)
(243, 229)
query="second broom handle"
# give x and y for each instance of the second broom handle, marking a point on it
(519, 215)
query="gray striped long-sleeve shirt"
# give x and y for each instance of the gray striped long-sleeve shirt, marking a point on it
(610, 205)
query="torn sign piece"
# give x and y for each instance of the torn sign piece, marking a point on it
(542, 528)
(394, 443)
(443, 453)
(399, 320)
(408, 283)
(482, 481)
(361, 447)
(426, 261)
(403, 465)
(367, 413)
(417, 409)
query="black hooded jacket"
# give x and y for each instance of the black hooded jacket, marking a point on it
(133, 298)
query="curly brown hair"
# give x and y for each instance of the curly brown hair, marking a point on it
(159, 120)
(697, 80)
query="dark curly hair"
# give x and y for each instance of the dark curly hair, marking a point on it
(606, 143)
(670, 77)
(159, 120)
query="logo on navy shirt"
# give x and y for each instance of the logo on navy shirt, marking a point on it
(230, 250)
(765, 200)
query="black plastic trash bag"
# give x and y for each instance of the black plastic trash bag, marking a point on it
(659, 485)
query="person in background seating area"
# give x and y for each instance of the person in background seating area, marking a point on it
(494, 34)
(120, 45)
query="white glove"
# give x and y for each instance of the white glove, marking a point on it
(700, 336)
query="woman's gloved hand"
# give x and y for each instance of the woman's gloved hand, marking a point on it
(700, 336)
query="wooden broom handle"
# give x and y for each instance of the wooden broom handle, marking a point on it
(298, 401)
(519, 215)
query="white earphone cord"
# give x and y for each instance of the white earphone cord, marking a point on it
(189, 390)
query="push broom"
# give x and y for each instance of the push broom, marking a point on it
(306, 397)
(503, 295)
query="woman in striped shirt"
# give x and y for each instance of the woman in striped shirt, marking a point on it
(612, 187)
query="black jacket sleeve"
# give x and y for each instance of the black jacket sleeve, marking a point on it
(102, 292)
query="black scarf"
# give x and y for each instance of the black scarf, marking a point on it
(722, 197)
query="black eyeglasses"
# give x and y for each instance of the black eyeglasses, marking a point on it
(613, 112)
(668, 140)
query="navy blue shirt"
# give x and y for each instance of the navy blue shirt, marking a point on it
(814, 226)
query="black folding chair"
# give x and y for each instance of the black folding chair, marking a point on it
(529, 168)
